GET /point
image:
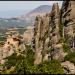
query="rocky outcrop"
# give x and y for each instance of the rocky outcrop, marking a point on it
(37, 41)
(58, 52)
(55, 22)
(28, 35)
(47, 40)
(56, 46)
(41, 38)
(68, 19)
(69, 68)
(13, 44)
(46, 35)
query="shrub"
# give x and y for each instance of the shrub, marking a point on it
(25, 65)
(47, 67)
(50, 67)
(30, 56)
(21, 63)
(70, 57)
(66, 48)
(13, 60)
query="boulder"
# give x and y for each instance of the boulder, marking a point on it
(69, 67)
(58, 52)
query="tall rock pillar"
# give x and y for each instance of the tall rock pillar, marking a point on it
(68, 19)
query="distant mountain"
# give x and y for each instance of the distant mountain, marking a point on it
(41, 10)
(24, 20)
(30, 16)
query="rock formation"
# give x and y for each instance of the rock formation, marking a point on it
(56, 46)
(55, 22)
(69, 68)
(68, 19)
(28, 35)
(47, 40)
(12, 45)
(41, 38)
(37, 40)
(46, 35)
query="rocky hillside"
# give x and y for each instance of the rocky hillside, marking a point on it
(54, 37)
(37, 11)
(52, 50)
(41, 10)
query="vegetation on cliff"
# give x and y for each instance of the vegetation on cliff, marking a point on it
(21, 65)
(70, 57)
(54, 44)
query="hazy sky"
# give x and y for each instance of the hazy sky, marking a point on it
(22, 6)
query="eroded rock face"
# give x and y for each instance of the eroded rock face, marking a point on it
(58, 52)
(56, 46)
(28, 35)
(38, 58)
(55, 22)
(46, 33)
(46, 57)
(13, 44)
(37, 41)
(41, 36)
(68, 19)
(69, 67)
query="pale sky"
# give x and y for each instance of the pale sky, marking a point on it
(22, 6)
